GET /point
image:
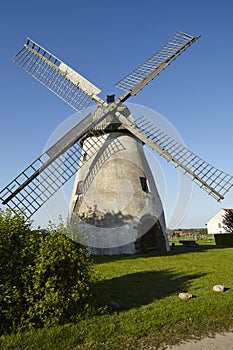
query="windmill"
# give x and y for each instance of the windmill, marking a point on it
(114, 199)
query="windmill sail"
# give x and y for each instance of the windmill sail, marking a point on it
(41, 179)
(65, 82)
(142, 75)
(216, 182)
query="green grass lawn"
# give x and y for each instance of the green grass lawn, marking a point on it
(145, 311)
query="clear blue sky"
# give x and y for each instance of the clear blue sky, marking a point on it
(104, 40)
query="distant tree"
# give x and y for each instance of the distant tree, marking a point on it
(228, 221)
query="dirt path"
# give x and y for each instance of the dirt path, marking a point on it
(219, 342)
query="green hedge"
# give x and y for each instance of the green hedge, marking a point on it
(224, 239)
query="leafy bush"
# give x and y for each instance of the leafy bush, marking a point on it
(228, 220)
(61, 281)
(45, 279)
(18, 246)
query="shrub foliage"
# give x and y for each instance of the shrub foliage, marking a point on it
(45, 279)
(228, 221)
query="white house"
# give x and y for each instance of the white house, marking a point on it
(215, 224)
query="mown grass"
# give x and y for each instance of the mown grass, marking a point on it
(145, 311)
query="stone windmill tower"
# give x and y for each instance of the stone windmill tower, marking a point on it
(115, 201)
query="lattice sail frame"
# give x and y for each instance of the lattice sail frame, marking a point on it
(62, 80)
(44, 177)
(214, 181)
(147, 71)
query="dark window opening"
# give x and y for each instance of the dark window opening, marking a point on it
(85, 157)
(144, 185)
(79, 189)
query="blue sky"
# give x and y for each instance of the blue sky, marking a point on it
(105, 40)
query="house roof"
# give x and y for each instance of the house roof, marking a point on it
(228, 210)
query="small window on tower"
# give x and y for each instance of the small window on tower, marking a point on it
(85, 157)
(144, 185)
(79, 189)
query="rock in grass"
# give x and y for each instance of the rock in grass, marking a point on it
(218, 288)
(115, 305)
(185, 296)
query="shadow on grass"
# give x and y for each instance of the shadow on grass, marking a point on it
(142, 288)
(178, 249)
